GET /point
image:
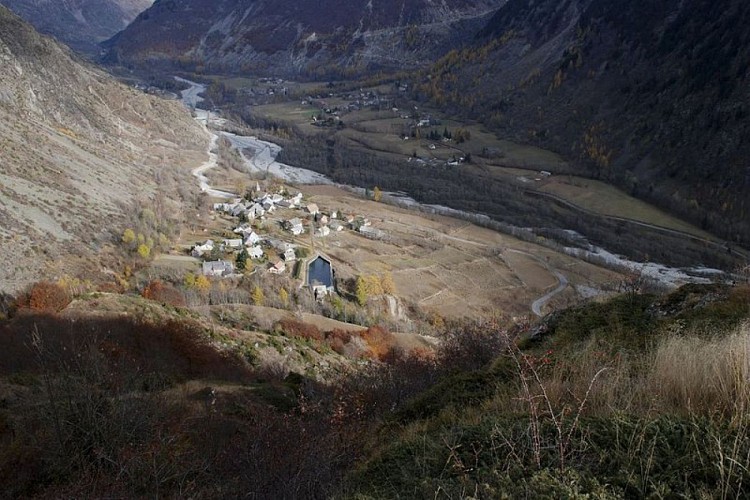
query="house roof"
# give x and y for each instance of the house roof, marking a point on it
(222, 266)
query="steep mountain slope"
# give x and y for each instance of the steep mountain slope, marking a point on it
(652, 96)
(81, 24)
(77, 150)
(316, 38)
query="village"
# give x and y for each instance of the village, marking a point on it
(276, 232)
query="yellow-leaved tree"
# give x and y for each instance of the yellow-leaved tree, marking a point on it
(128, 236)
(202, 283)
(144, 251)
(258, 296)
(387, 284)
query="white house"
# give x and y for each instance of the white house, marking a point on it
(269, 206)
(255, 252)
(255, 210)
(295, 226)
(289, 255)
(252, 239)
(243, 229)
(200, 250)
(323, 231)
(234, 243)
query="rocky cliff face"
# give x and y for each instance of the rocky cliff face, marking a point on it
(652, 96)
(81, 24)
(298, 37)
(78, 151)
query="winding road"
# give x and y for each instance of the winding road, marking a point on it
(562, 280)
(199, 174)
(538, 304)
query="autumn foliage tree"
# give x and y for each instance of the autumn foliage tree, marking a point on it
(387, 284)
(379, 340)
(258, 296)
(361, 291)
(165, 293)
(46, 296)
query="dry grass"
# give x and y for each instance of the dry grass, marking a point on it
(447, 265)
(703, 375)
(684, 374)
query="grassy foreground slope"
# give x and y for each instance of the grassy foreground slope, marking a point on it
(640, 397)
(118, 396)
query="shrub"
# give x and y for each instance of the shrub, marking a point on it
(294, 328)
(379, 340)
(46, 296)
(165, 293)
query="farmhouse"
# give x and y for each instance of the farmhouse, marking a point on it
(200, 250)
(218, 268)
(295, 226)
(255, 252)
(278, 268)
(323, 231)
(233, 243)
(313, 209)
(252, 239)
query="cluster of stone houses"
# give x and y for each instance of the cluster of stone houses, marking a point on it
(260, 204)
(325, 224)
(247, 210)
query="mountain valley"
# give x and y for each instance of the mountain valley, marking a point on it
(374, 249)
(80, 24)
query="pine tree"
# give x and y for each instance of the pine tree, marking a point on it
(241, 259)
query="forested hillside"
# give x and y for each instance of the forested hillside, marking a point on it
(650, 96)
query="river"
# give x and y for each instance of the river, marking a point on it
(260, 156)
